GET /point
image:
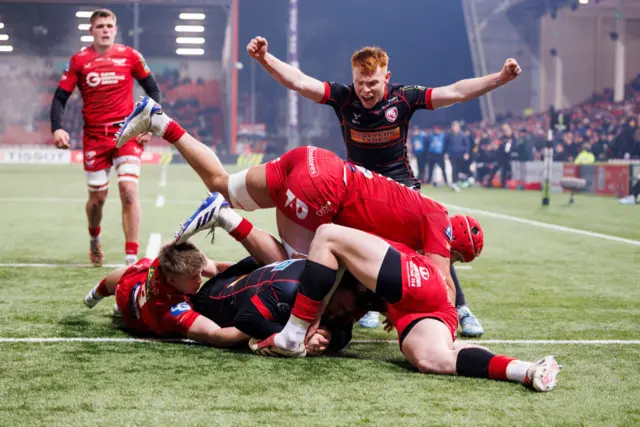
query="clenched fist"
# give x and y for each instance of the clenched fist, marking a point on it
(510, 71)
(61, 139)
(257, 47)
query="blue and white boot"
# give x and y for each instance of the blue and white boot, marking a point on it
(139, 121)
(471, 327)
(205, 218)
(370, 320)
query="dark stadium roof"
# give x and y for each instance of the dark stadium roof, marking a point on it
(48, 28)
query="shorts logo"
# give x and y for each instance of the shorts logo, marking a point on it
(282, 265)
(312, 162)
(414, 275)
(326, 209)
(449, 233)
(391, 114)
(90, 158)
(180, 308)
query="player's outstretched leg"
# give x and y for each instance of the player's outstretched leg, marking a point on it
(149, 117)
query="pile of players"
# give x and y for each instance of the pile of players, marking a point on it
(394, 243)
(368, 239)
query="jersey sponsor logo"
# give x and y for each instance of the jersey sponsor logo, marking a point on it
(378, 137)
(108, 78)
(282, 265)
(180, 308)
(301, 208)
(449, 233)
(414, 87)
(312, 162)
(391, 114)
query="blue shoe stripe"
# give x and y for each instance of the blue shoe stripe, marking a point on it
(201, 221)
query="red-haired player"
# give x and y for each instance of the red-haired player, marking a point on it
(374, 116)
(104, 73)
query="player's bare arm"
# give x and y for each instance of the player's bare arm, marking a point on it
(468, 89)
(207, 331)
(288, 76)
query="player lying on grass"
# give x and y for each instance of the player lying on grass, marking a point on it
(309, 187)
(417, 305)
(239, 301)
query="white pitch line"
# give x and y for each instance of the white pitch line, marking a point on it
(163, 175)
(155, 240)
(17, 265)
(186, 341)
(522, 342)
(160, 201)
(546, 225)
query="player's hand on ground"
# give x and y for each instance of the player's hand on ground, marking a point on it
(386, 323)
(319, 342)
(257, 47)
(510, 71)
(143, 138)
(61, 139)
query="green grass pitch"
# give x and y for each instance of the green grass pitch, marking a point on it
(531, 283)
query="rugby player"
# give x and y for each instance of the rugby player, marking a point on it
(309, 186)
(240, 300)
(104, 72)
(374, 115)
(417, 304)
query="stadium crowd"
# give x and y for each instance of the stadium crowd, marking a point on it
(596, 130)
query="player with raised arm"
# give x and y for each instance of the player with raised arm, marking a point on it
(417, 304)
(374, 115)
(104, 73)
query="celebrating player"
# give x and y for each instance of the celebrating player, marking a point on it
(104, 73)
(416, 296)
(374, 116)
(309, 187)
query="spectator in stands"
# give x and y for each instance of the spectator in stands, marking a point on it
(505, 154)
(585, 157)
(436, 150)
(418, 144)
(559, 154)
(458, 148)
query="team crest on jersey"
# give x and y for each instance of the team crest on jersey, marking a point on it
(180, 308)
(282, 265)
(120, 62)
(391, 114)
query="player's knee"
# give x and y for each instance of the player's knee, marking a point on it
(326, 234)
(128, 193)
(97, 181)
(97, 199)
